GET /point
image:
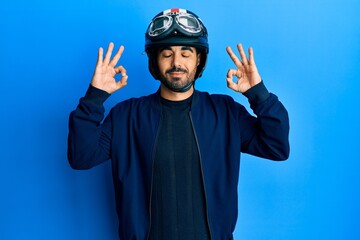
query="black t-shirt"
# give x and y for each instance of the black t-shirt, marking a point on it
(178, 209)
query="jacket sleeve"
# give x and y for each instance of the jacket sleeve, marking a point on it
(89, 139)
(267, 135)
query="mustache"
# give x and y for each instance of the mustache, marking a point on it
(176, 69)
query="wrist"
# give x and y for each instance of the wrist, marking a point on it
(96, 95)
(257, 94)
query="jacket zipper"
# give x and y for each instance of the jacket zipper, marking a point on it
(202, 174)
(152, 176)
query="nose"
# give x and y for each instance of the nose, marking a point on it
(176, 60)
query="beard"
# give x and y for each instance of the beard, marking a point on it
(178, 84)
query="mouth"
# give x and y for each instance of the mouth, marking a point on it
(176, 73)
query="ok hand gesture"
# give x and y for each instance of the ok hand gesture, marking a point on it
(106, 69)
(246, 72)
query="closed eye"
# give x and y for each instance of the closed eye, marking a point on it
(166, 54)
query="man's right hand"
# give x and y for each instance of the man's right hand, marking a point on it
(106, 70)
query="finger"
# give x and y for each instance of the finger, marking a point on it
(229, 81)
(239, 73)
(100, 56)
(120, 69)
(230, 74)
(242, 54)
(231, 85)
(108, 53)
(251, 56)
(233, 57)
(117, 56)
(122, 82)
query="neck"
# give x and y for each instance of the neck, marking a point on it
(175, 96)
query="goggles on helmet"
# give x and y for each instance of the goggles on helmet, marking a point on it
(175, 20)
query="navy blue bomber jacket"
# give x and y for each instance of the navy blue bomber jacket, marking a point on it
(223, 129)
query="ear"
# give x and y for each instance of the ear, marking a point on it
(198, 59)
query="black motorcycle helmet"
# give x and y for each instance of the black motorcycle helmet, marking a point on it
(176, 27)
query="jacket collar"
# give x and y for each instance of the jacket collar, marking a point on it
(156, 99)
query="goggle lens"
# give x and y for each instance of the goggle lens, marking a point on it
(160, 25)
(188, 23)
(163, 23)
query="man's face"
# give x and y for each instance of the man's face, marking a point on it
(178, 65)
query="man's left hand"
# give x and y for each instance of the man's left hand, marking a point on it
(246, 73)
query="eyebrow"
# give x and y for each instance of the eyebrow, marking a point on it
(183, 48)
(187, 48)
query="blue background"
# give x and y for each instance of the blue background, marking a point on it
(308, 53)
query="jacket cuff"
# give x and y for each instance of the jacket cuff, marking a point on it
(96, 96)
(257, 94)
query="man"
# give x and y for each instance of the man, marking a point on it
(175, 154)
